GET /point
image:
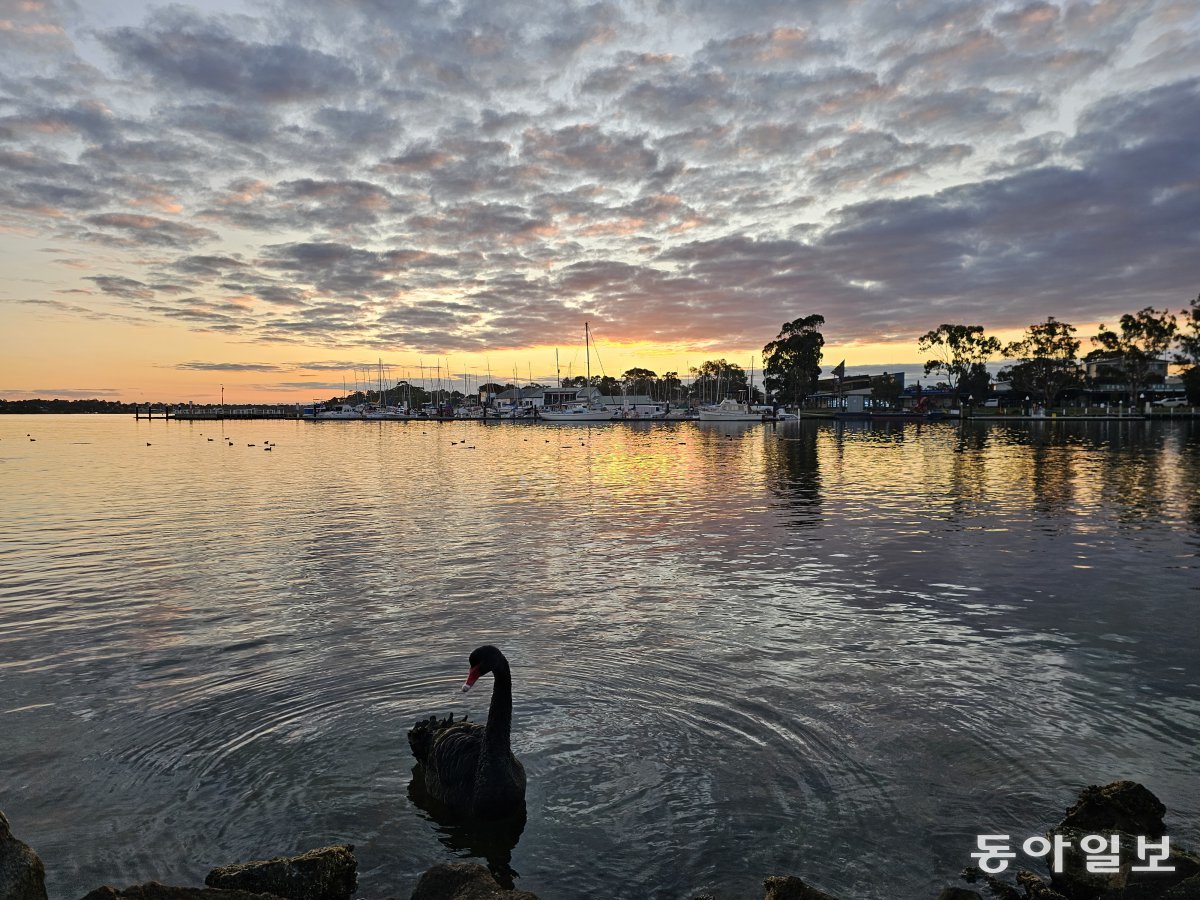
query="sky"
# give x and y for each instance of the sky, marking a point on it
(267, 199)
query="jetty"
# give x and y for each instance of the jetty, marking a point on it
(188, 413)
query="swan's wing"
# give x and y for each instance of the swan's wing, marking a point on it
(453, 760)
(423, 735)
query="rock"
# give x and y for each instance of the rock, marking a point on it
(1035, 888)
(152, 890)
(1127, 810)
(789, 887)
(22, 875)
(957, 893)
(1121, 806)
(1188, 889)
(328, 873)
(463, 881)
(1000, 889)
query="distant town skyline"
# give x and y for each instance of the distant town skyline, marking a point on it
(271, 196)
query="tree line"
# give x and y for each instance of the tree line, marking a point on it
(1045, 360)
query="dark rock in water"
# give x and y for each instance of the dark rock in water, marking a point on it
(1189, 889)
(1035, 888)
(999, 889)
(1121, 806)
(463, 881)
(1075, 881)
(22, 875)
(1125, 810)
(328, 873)
(957, 893)
(152, 890)
(789, 887)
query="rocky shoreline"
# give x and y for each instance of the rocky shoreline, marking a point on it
(1123, 814)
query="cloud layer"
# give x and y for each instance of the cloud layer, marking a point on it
(448, 178)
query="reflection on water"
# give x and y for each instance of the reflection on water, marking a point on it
(491, 841)
(737, 650)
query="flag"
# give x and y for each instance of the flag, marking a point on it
(840, 370)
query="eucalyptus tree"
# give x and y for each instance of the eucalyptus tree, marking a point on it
(960, 352)
(886, 389)
(672, 387)
(792, 362)
(1140, 344)
(1189, 351)
(1047, 361)
(716, 378)
(638, 380)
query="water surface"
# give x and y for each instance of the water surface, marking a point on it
(830, 649)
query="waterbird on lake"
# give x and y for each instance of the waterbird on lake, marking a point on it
(467, 767)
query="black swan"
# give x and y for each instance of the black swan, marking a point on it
(470, 768)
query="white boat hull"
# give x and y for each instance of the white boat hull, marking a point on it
(730, 411)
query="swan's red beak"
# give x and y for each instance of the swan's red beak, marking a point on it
(472, 677)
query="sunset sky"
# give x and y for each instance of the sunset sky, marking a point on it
(270, 196)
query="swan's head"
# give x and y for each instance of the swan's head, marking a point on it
(483, 660)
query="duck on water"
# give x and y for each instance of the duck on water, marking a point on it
(469, 768)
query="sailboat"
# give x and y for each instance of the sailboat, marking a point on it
(583, 411)
(730, 410)
(382, 411)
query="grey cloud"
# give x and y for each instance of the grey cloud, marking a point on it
(590, 151)
(875, 158)
(306, 203)
(149, 230)
(228, 367)
(204, 54)
(206, 266)
(119, 286)
(250, 128)
(783, 47)
(963, 113)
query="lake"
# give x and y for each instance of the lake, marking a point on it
(835, 650)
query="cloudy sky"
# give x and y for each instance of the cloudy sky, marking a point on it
(267, 195)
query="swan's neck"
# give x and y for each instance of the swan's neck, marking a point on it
(499, 722)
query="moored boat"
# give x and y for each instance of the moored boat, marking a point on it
(729, 410)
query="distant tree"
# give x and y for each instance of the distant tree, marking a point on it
(577, 382)
(638, 381)
(1047, 363)
(670, 385)
(976, 382)
(609, 386)
(715, 379)
(1143, 339)
(491, 388)
(792, 362)
(66, 406)
(886, 389)
(959, 352)
(1188, 354)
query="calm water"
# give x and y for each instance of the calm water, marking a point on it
(838, 651)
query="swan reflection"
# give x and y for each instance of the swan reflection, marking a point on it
(490, 840)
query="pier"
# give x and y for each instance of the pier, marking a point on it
(212, 413)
